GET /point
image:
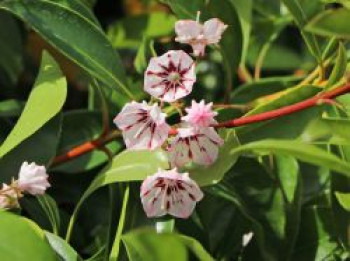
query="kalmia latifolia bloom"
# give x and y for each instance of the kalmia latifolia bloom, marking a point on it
(169, 192)
(171, 76)
(33, 179)
(143, 126)
(200, 145)
(200, 114)
(198, 35)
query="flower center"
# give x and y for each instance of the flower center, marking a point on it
(174, 77)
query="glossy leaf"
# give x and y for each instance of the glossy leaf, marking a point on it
(90, 50)
(339, 67)
(26, 236)
(51, 210)
(78, 127)
(46, 137)
(148, 245)
(344, 200)
(62, 248)
(299, 150)
(10, 108)
(11, 51)
(130, 31)
(301, 18)
(331, 23)
(211, 175)
(45, 101)
(287, 171)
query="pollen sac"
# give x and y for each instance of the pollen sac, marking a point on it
(169, 192)
(170, 77)
(193, 144)
(143, 126)
(198, 35)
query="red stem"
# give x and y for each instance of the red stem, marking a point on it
(326, 96)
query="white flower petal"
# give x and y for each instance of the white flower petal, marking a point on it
(213, 29)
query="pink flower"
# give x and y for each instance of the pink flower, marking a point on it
(200, 145)
(169, 192)
(200, 114)
(170, 76)
(33, 178)
(143, 126)
(198, 35)
(8, 197)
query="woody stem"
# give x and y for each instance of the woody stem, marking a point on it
(245, 120)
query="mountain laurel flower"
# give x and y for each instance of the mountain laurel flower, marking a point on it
(198, 35)
(169, 192)
(200, 114)
(8, 197)
(171, 76)
(200, 145)
(143, 126)
(33, 179)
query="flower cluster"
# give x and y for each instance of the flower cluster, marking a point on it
(169, 78)
(32, 179)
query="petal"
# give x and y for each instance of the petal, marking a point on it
(187, 30)
(152, 195)
(158, 80)
(143, 126)
(213, 30)
(192, 144)
(198, 48)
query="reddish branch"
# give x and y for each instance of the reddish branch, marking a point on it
(324, 97)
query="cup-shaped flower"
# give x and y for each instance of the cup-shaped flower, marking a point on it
(171, 76)
(169, 192)
(200, 145)
(200, 114)
(32, 178)
(198, 35)
(143, 126)
(8, 197)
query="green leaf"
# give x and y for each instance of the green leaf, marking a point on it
(83, 41)
(116, 244)
(343, 199)
(130, 31)
(40, 148)
(302, 151)
(287, 97)
(316, 239)
(328, 130)
(51, 210)
(11, 49)
(211, 175)
(45, 101)
(80, 126)
(301, 18)
(126, 166)
(287, 171)
(22, 239)
(196, 248)
(231, 44)
(62, 248)
(185, 9)
(147, 245)
(251, 91)
(143, 55)
(339, 67)
(10, 108)
(331, 23)
(244, 10)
